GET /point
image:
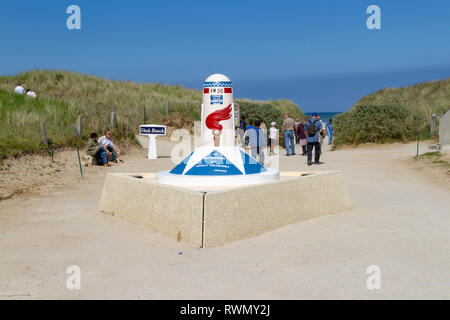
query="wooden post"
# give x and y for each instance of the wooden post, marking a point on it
(433, 125)
(113, 119)
(44, 134)
(79, 126)
(167, 108)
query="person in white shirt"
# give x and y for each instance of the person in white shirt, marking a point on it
(19, 89)
(109, 146)
(273, 135)
(31, 94)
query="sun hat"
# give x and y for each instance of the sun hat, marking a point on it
(273, 123)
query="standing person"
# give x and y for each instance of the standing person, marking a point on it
(263, 127)
(273, 135)
(297, 138)
(330, 131)
(19, 89)
(312, 131)
(256, 141)
(288, 131)
(262, 141)
(247, 134)
(242, 128)
(109, 145)
(96, 150)
(321, 134)
(302, 135)
(31, 94)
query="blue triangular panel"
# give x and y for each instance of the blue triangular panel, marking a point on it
(251, 165)
(215, 164)
(180, 167)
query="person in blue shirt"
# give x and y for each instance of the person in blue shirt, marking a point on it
(313, 128)
(242, 128)
(257, 141)
(330, 131)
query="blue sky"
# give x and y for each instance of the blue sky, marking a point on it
(318, 53)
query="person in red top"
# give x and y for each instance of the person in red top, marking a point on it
(302, 136)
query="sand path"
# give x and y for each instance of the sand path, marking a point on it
(400, 222)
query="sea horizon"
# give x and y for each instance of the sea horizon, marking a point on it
(324, 115)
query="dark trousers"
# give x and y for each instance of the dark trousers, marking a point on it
(316, 146)
(100, 156)
(304, 150)
(113, 154)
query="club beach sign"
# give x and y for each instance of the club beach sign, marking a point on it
(152, 131)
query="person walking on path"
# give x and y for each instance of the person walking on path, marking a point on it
(313, 128)
(263, 127)
(321, 135)
(288, 131)
(302, 136)
(242, 128)
(256, 141)
(330, 131)
(297, 138)
(273, 135)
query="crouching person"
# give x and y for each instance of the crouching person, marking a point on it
(97, 151)
(109, 145)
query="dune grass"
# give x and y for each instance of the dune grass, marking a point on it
(378, 124)
(426, 98)
(393, 114)
(63, 95)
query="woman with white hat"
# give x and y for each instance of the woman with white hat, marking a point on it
(273, 135)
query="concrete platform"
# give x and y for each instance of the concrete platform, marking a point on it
(213, 216)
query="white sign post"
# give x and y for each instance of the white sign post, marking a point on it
(152, 131)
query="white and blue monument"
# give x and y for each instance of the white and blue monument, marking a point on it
(218, 161)
(219, 193)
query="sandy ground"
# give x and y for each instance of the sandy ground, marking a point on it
(400, 222)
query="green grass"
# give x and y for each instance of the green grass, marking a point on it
(63, 95)
(384, 117)
(435, 158)
(426, 98)
(378, 124)
(432, 154)
(442, 163)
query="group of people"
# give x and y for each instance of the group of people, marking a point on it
(309, 133)
(103, 149)
(21, 90)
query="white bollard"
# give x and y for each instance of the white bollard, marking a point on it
(152, 131)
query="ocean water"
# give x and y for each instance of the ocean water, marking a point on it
(324, 116)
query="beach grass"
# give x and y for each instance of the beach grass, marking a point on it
(62, 96)
(426, 98)
(393, 114)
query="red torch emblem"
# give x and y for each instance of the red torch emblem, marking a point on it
(212, 122)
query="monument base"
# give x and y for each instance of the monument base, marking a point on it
(213, 216)
(233, 180)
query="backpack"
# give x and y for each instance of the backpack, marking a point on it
(312, 129)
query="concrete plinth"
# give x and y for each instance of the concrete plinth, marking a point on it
(215, 216)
